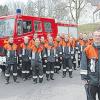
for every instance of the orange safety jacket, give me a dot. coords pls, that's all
(36, 52)
(32, 42)
(91, 52)
(8, 47)
(25, 52)
(51, 51)
(90, 65)
(81, 42)
(90, 41)
(11, 53)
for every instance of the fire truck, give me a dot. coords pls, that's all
(19, 26)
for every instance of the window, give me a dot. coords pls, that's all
(47, 26)
(38, 26)
(24, 27)
(27, 26)
(7, 27)
(19, 27)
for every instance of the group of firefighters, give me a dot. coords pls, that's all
(41, 56)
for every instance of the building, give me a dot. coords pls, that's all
(96, 14)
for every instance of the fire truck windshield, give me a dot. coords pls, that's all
(6, 27)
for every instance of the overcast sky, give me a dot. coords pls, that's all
(86, 18)
(6, 1)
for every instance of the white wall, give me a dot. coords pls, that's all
(62, 29)
(73, 32)
(66, 30)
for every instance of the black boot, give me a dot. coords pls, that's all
(47, 76)
(15, 79)
(24, 76)
(70, 74)
(74, 66)
(35, 80)
(7, 80)
(57, 70)
(40, 80)
(51, 76)
(64, 74)
(44, 70)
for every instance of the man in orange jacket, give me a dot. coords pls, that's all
(67, 62)
(80, 47)
(36, 61)
(31, 42)
(44, 54)
(90, 68)
(58, 56)
(50, 46)
(25, 54)
(11, 59)
(73, 51)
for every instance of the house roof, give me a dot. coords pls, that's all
(98, 8)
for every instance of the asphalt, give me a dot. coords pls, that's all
(58, 89)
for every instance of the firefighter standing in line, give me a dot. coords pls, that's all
(80, 46)
(32, 42)
(67, 62)
(36, 61)
(11, 57)
(73, 51)
(90, 67)
(25, 54)
(44, 54)
(90, 38)
(50, 46)
(58, 59)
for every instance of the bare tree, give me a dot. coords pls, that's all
(30, 8)
(4, 10)
(61, 11)
(76, 6)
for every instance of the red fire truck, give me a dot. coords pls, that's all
(19, 26)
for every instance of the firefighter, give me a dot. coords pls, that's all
(33, 40)
(73, 51)
(11, 60)
(67, 62)
(90, 38)
(80, 47)
(44, 54)
(25, 54)
(58, 57)
(90, 68)
(36, 61)
(50, 46)
(85, 39)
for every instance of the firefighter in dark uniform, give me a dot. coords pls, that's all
(11, 57)
(67, 62)
(50, 46)
(58, 56)
(25, 54)
(80, 47)
(36, 61)
(73, 52)
(90, 68)
(31, 42)
(44, 54)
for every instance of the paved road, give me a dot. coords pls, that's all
(59, 89)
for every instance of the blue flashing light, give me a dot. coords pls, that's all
(18, 11)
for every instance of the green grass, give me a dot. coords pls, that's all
(87, 28)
